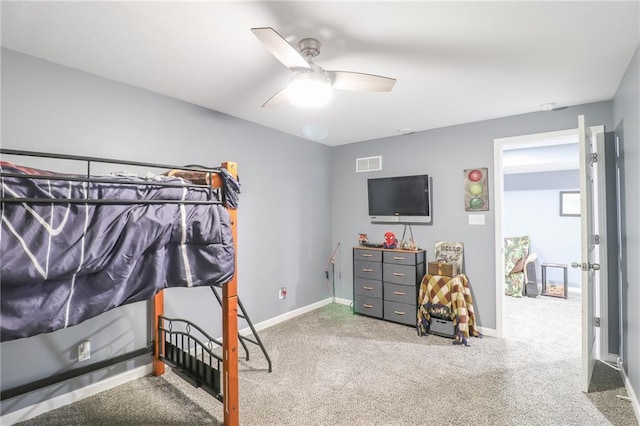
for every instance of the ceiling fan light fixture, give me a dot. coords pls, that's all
(309, 90)
(317, 84)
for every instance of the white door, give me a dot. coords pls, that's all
(590, 262)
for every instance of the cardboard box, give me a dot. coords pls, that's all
(442, 268)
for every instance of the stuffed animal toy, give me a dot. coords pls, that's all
(390, 240)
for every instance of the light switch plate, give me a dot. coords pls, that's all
(476, 219)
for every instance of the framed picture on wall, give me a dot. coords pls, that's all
(569, 203)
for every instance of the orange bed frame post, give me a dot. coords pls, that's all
(158, 309)
(230, 326)
(229, 322)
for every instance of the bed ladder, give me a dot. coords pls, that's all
(243, 314)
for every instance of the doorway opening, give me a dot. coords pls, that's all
(532, 174)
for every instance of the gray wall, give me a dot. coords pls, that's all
(626, 120)
(444, 154)
(284, 214)
(52, 108)
(531, 207)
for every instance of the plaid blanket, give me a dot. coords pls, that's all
(451, 295)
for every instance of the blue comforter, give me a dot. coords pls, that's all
(64, 263)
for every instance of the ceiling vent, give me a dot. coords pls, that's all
(369, 164)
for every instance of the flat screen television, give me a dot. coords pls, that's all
(401, 199)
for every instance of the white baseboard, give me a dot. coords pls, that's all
(347, 302)
(197, 351)
(483, 330)
(286, 316)
(632, 395)
(74, 396)
(491, 332)
(610, 358)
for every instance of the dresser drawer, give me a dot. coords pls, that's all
(369, 270)
(400, 293)
(368, 255)
(385, 283)
(368, 306)
(403, 257)
(369, 288)
(399, 274)
(400, 312)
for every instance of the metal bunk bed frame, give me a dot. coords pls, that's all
(195, 361)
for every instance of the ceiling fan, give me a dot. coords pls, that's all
(317, 81)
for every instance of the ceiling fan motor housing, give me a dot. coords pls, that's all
(309, 47)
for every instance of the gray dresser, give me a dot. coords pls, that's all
(386, 283)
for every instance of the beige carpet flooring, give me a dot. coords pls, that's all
(331, 367)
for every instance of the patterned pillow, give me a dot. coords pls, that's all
(519, 266)
(515, 249)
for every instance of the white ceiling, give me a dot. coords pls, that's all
(455, 62)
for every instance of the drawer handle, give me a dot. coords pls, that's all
(367, 255)
(399, 293)
(367, 270)
(367, 306)
(398, 258)
(398, 274)
(399, 313)
(366, 287)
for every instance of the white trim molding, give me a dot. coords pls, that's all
(499, 146)
(39, 408)
(632, 395)
(343, 301)
(286, 316)
(490, 332)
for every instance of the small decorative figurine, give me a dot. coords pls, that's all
(390, 240)
(363, 239)
(408, 245)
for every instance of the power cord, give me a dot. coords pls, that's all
(331, 262)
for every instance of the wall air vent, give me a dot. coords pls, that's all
(369, 164)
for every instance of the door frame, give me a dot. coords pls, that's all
(536, 140)
(601, 296)
(517, 142)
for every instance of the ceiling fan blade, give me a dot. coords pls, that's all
(280, 48)
(280, 98)
(346, 80)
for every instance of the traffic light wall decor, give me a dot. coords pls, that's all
(476, 189)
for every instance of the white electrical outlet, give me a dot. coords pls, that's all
(84, 351)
